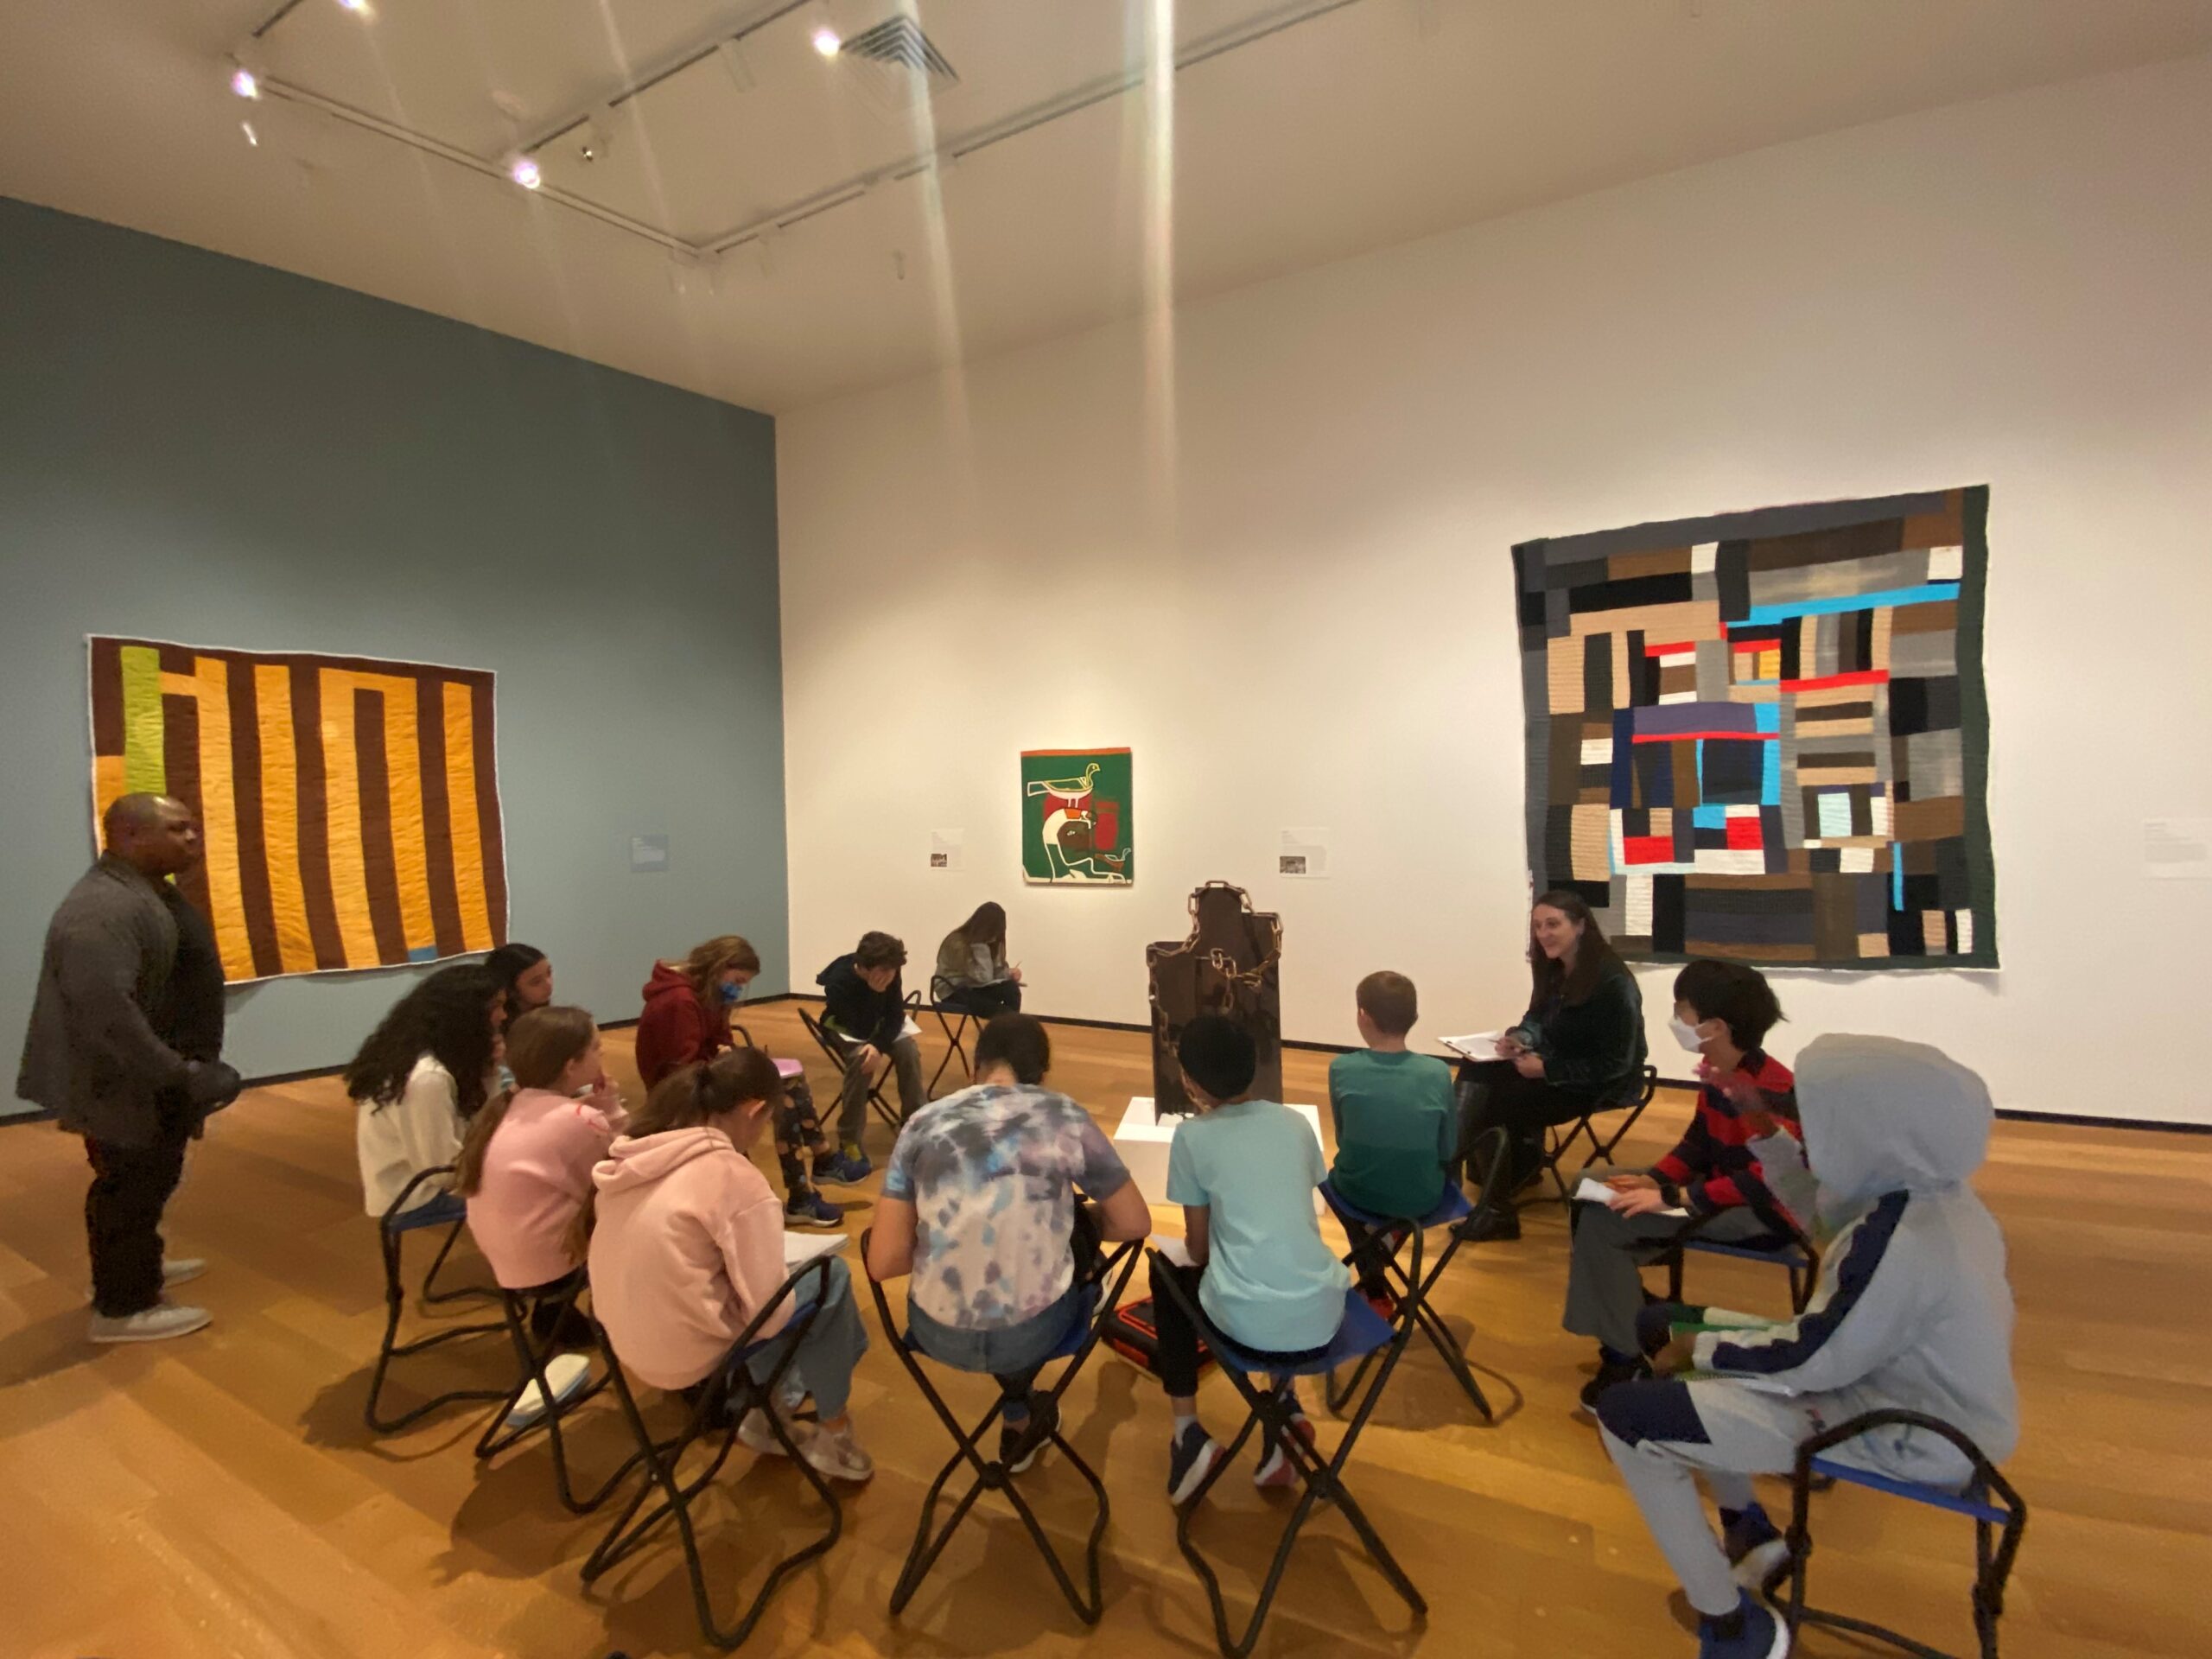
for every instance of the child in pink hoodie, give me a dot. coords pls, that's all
(687, 1247)
(525, 1168)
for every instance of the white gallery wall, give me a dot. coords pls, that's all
(1298, 610)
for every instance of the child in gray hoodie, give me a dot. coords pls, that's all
(1912, 1311)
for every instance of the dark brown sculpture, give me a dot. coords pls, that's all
(1230, 964)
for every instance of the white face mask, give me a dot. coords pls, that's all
(1687, 1036)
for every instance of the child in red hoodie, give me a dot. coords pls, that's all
(686, 1022)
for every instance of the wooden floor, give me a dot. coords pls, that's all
(217, 1496)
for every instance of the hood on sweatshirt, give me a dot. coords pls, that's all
(1883, 1115)
(667, 981)
(637, 1161)
(846, 967)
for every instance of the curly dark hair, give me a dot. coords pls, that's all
(448, 1017)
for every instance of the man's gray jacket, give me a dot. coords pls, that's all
(93, 1055)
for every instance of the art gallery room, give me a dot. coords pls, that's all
(600, 595)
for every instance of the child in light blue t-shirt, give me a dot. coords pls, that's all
(1244, 1172)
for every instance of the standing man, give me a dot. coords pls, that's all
(124, 1048)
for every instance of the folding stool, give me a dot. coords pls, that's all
(1999, 1514)
(1362, 1332)
(728, 1393)
(991, 1474)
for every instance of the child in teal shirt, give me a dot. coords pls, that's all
(1395, 1126)
(1244, 1172)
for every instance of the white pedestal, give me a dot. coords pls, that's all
(1142, 1142)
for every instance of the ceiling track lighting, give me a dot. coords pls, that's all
(249, 80)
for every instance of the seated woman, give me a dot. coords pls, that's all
(525, 975)
(1722, 1011)
(687, 1248)
(424, 1071)
(686, 1022)
(526, 1165)
(972, 974)
(994, 1285)
(1580, 1046)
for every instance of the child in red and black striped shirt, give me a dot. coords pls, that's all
(1722, 1011)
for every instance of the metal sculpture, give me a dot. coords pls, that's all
(1230, 964)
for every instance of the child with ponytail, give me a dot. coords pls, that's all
(687, 1247)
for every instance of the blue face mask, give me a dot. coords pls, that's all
(731, 994)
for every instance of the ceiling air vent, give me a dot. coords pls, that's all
(898, 65)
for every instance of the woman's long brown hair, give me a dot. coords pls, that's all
(687, 1099)
(540, 1045)
(986, 926)
(1593, 952)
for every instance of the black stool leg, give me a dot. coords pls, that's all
(389, 1347)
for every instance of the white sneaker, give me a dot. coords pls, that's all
(163, 1320)
(566, 1373)
(178, 1271)
(836, 1454)
(755, 1435)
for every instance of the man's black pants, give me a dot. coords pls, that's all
(123, 1218)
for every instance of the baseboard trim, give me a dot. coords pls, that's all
(2005, 1115)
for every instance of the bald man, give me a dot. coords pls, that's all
(124, 1049)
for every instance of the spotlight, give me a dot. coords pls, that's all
(599, 135)
(826, 41)
(244, 83)
(524, 171)
(252, 137)
(358, 8)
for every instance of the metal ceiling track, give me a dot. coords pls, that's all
(1267, 23)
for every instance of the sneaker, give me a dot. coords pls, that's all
(1750, 1632)
(1500, 1222)
(754, 1433)
(1276, 1470)
(1758, 1552)
(843, 1169)
(567, 1373)
(807, 1209)
(155, 1324)
(1384, 1304)
(176, 1270)
(1020, 1443)
(835, 1452)
(1190, 1460)
(1612, 1373)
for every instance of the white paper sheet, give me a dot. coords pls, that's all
(1477, 1046)
(1173, 1248)
(1597, 1192)
(800, 1249)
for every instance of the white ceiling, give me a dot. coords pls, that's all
(1372, 123)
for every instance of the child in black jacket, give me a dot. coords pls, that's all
(865, 1009)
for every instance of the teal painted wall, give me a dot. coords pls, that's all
(196, 449)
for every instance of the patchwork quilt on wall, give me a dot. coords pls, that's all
(1764, 736)
(350, 806)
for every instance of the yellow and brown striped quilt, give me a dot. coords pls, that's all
(351, 806)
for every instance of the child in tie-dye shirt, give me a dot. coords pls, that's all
(979, 1206)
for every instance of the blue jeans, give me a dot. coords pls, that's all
(1012, 1353)
(830, 1350)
